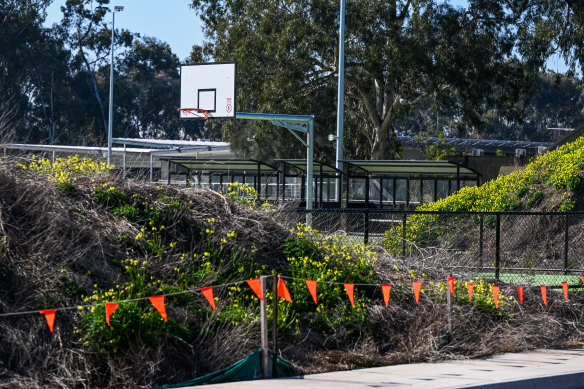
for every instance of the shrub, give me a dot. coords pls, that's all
(109, 195)
(67, 169)
(134, 322)
(331, 262)
(560, 169)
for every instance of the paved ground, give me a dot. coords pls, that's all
(539, 369)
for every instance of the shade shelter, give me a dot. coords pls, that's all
(395, 183)
(327, 182)
(217, 174)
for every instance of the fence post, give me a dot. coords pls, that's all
(481, 241)
(566, 238)
(366, 237)
(404, 234)
(498, 247)
(264, 330)
(275, 328)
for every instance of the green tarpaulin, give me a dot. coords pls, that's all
(249, 368)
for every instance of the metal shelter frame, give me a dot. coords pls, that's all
(294, 124)
(322, 170)
(245, 167)
(406, 170)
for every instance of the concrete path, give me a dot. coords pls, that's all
(538, 369)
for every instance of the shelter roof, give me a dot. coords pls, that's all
(239, 165)
(398, 167)
(301, 164)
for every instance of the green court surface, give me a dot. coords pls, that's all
(532, 279)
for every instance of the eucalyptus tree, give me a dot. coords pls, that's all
(397, 54)
(87, 34)
(21, 40)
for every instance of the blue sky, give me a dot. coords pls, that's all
(171, 21)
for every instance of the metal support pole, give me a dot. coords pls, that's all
(348, 185)
(366, 232)
(341, 90)
(380, 192)
(111, 95)
(309, 170)
(275, 328)
(124, 163)
(151, 167)
(405, 220)
(259, 181)
(321, 186)
(498, 247)
(394, 190)
(264, 330)
(566, 242)
(481, 228)
(367, 183)
(407, 192)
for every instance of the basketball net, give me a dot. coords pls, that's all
(195, 112)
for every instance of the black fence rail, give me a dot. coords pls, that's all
(515, 247)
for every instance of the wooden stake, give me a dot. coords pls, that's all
(264, 330)
(275, 328)
(449, 302)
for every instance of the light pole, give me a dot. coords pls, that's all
(117, 8)
(341, 94)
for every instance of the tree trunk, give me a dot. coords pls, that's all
(385, 145)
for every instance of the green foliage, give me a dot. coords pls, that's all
(65, 187)
(67, 170)
(109, 195)
(533, 199)
(328, 259)
(482, 296)
(560, 169)
(242, 193)
(127, 211)
(134, 322)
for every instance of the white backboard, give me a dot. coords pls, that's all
(209, 86)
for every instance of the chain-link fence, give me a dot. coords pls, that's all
(515, 247)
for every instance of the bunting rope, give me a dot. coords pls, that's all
(254, 284)
(77, 307)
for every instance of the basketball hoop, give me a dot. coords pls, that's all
(194, 112)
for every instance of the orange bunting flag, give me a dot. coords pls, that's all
(283, 290)
(386, 289)
(470, 287)
(565, 288)
(256, 286)
(544, 294)
(110, 308)
(496, 296)
(451, 284)
(208, 293)
(49, 316)
(583, 280)
(520, 294)
(158, 302)
(312, 289)
(417, 287)
(349, 288)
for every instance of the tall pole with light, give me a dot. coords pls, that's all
(111, 89)
(341, 94)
